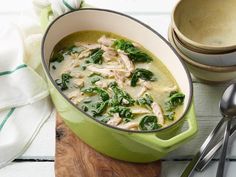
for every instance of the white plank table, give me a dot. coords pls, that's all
(38, 160)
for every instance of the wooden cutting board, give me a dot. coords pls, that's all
(76, 159)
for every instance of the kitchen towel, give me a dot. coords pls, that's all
(24, 102)
(24, 98)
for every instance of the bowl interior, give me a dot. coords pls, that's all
(208, 22)
(90, 19)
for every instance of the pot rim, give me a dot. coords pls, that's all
(146, 26)
(212, 48)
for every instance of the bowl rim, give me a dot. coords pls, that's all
(194, 43)
(218, 69)
(176, 40)
(202, 52)
(46, 69)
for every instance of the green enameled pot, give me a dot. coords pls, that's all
(133, 146)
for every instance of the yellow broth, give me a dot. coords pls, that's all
(160, 88)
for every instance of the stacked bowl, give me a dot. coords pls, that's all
(203, 32)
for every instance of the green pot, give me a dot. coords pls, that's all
(133, 146)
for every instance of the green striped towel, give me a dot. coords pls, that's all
(24, 98)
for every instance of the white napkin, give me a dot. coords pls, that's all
(24, 101)
(19, 126)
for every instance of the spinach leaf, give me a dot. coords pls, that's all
(145, 100)
(96, 56)
(170, 115)
(120, 97)
(94, 77)
(141, 73)
(98, 107)
(84, 108)
(122, 44)
(124, 112)
(94, 108)
(59, 56)
(64, 81)
(104, 118)
(54, 67)
(149, 122)
(101, 92)
(134, 53)
(175, 99)
(87, 101)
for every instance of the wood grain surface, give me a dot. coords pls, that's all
(76, 159)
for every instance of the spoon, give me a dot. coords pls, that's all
(226, 109)
(209, 156)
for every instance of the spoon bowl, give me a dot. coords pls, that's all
(228, 110)
(228, 102)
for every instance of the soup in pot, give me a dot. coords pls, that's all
(116, 81)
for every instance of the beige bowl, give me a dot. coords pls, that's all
(221, 59)
(205, 72)
(206, 24)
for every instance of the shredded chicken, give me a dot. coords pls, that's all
(158, 112)
(170, 89)
(119, 77)
(142, 91)
(67, 67)
(75, 96)
(84, 54)
(102, 83)
(106, 56)
(106, 41)
(77, 74)
(75, 63)
(114, 67)
(78, 82)
(129, 125)
(88, 46)
(146, 85)
(127, 62)
(115, 120)
(136, 44)
(139, 110)
(124, 101)
(102, 71)
(74, 56)
(109, 53)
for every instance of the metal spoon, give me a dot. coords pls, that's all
(228, 110)
(209, 156)
(192, 165)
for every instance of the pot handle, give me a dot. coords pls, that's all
(44, 17)
(166, 145)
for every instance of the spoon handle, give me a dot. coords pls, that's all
(221, 166)
(205, 160)
(192, 165)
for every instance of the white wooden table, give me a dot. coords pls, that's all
(38, 160)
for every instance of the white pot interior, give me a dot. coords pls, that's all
(102, 20)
